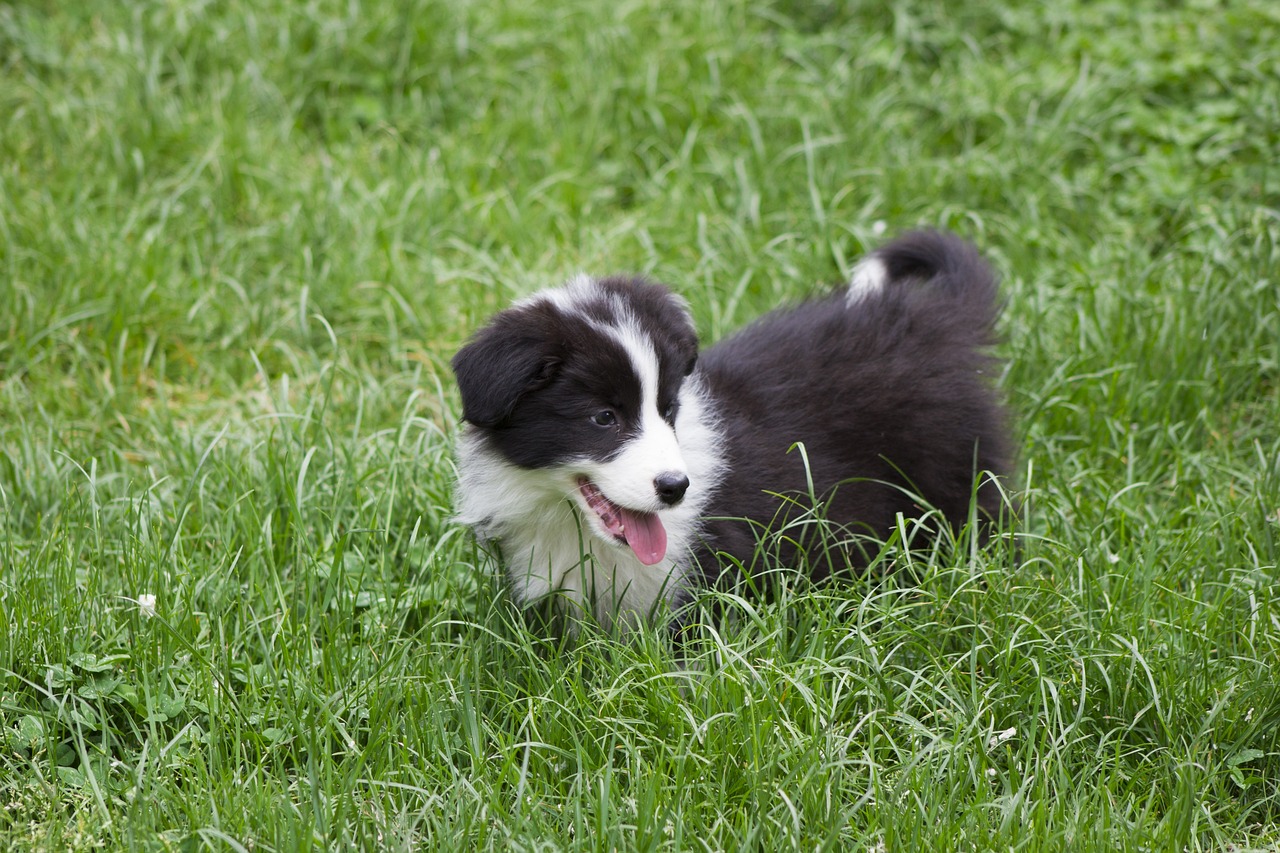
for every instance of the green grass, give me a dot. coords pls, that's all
(240, 241)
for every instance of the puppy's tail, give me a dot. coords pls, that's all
(936, 260)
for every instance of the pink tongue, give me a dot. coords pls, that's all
(645, 534)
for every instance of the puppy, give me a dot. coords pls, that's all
(619, 470)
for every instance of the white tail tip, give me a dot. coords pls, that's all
(868, 278)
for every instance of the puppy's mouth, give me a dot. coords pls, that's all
(642, 532)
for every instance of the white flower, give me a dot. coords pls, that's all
(1000, 737)
(147, 604)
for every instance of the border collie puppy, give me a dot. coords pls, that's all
(617, 469)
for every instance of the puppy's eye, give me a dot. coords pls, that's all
(605, 417)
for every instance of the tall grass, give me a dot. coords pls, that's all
(239, 242)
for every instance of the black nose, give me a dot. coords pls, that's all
(671, 487)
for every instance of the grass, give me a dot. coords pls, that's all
(239, 242)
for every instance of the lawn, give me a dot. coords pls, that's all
(239, 243)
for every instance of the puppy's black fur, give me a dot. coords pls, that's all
(891, 397)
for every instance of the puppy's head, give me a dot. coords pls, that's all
(584, 383)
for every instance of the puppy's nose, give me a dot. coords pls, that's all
(671, 486)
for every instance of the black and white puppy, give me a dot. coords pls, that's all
(617, 468)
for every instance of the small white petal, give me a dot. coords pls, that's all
(1000, 737)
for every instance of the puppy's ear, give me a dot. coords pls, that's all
(664, 315)
(688, 348)
(507, 359)
(678, 326)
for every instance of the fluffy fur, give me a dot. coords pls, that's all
(617, 469)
